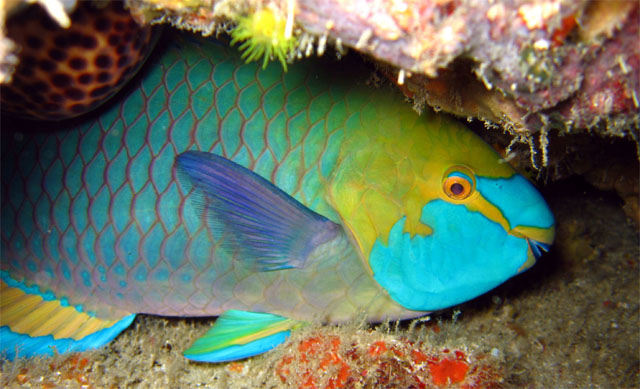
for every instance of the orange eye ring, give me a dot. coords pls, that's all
(457, 187)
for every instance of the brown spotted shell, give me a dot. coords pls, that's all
(66, 72)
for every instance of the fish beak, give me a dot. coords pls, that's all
(537, 247)
(538, 239)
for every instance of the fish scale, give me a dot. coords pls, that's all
(122, 231)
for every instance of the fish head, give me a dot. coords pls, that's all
(464, 223)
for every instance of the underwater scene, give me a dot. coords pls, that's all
(293, 193)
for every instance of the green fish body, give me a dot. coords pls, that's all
(213, 187)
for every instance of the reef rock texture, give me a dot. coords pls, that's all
(529, 65)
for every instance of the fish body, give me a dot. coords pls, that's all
(214, 187)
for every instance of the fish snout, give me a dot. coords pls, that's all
(525, 213)
(539, 241)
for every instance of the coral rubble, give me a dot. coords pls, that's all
(530, 66)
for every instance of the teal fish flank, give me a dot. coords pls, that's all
(216, 188)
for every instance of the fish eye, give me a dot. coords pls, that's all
(458, 183)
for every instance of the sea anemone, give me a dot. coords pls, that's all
(265, 34)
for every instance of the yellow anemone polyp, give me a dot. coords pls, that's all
(264, 36)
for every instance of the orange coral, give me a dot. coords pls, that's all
(335, 362)
(448, 371)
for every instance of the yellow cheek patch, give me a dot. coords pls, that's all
(393, 165)
(414, 201)
(365, 211)
(544, 235)
(486, 208)
(370, 213)
(380, 216)
(531, 260)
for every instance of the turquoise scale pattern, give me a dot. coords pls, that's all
(118, 233)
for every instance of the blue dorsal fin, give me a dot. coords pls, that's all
(240, 334)
(268, 228)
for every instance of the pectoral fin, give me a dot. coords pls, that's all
(240, 334)
(268, 228)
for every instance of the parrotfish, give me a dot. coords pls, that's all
(212, 187)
